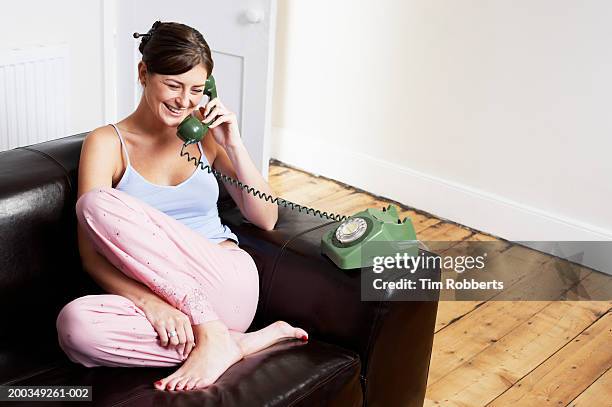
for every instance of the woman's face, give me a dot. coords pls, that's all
(172, 97)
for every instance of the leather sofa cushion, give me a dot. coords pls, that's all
(287, 373)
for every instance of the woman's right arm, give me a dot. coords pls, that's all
(97, 166)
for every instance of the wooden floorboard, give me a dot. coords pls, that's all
(495, 353)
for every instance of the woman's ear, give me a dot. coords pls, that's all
(142, 73)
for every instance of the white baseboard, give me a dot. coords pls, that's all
(468, 206)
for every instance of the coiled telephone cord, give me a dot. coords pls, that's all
(259, 194)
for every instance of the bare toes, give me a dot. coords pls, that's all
(172, 383)
(161, 384)
(180, 385)
(291, 331)
(301, 334)
(191, 383)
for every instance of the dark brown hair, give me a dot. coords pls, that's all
(173, 49)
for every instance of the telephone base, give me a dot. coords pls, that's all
(343, 245)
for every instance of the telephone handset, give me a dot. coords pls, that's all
(341, 244)
(191, 130)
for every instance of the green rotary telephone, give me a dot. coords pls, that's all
(343, 244)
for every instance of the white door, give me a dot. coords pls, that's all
(241, 37)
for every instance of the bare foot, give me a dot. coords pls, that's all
(205, 364)
(252, 342)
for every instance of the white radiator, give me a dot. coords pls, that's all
(34, 95)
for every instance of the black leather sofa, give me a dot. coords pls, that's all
(373, 353)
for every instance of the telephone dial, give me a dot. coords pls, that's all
(343, 243)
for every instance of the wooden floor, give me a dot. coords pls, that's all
(497, 353)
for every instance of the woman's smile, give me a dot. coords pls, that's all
(174, 111)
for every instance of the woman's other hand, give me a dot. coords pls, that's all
(172, 326)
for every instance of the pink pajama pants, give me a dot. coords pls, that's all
(205, 280)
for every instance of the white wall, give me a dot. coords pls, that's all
(30, 23)
(491, 113)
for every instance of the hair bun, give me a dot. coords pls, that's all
(146, 37)
(143, 42)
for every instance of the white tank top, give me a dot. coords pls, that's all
(193, 202)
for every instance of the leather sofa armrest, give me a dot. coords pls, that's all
(303, 287)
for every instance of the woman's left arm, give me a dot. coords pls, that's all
(233, 160)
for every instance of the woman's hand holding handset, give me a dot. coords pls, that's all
(222, 123)
(172, 325)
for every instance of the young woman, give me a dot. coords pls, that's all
(180, 289)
